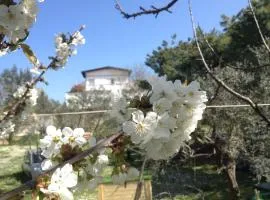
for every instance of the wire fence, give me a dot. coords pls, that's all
(105, 111)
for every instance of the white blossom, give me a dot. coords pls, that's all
(140, 128)
(119, 110)
(6, 128)
(11, 17)
(73, 137)
(35, 71)
(58, 40)
(78, 38)
(48, 164)
(19, 92)
(33, 96)
(61, 181)
(177, 108)
(96, 169)
(102, 160)
(165, 125)
(162, 105)
(51, 143)
(66, 48)
(161, 88)
(158, 149)
(3, 51)
(16, 19)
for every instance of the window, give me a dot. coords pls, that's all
(112, 81)
(91, 81)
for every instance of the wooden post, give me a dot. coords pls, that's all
(101, 192)
(108, 191)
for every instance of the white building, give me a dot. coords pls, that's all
(108, 78)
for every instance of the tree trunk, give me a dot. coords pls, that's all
(231, 175)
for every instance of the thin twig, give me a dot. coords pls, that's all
(98, 123)
(140, 183)
(258, 26)
(79, 121)
(215, 95)
(15, 107)
(17, 104)
(154, 11)
(31, 184)
(136, 151)
(219, 81)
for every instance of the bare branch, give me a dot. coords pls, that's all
(31, 184)
(219, 81)
(214, 95)
(140, 183)
(258, 26)
(153, 11)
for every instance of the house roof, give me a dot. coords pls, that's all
(105, 67)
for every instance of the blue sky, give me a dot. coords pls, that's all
(110, 39)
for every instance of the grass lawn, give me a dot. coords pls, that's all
(11, 175)
(188, 183)
(199, 182)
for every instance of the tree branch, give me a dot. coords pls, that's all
(17, 104)
(258, 26)
(140, 183)
(219, 81)
(31, 184)
(15, 107)
(153, 11)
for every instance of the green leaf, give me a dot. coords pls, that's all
(29, 54)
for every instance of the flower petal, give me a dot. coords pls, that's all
(151, 118)
(78, 132)
(50, 130)
(67, 131)
(129, 127)
(65, 194)
(137, 116)
(46, 164)
(80, 141)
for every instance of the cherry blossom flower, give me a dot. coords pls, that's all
(140, 127)
(177, 108)
(61, 181)
(16, 19)
(73, 137)
(78, 39)
(161, 88)
(48, 164)
(162, 105)
(66, 48)
(51, 143)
